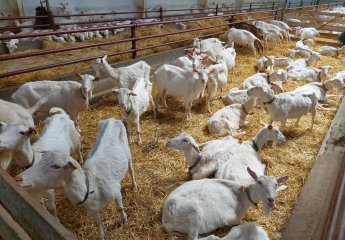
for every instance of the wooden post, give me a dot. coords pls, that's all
(28, 212)
(134, 41)
(161, 14)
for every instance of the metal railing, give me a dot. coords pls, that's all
(275, 11)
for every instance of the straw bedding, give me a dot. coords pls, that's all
(160, 170)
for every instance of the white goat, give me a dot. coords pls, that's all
(12, 45)
(15, 113)
(229, 119)
(275, 79)
(71, 96)
(280, 61)
(192, 60)
(188, 84)
(235, 95)
(190, 209)
(331, 51)
(124, 77)
(263, 64)
(310, 74)
(94, 185)
(281, 25)
(203, 162)
(247, 231)
(320, 89)
(285, 105)
(304, 63)
(59, 134)
(301, 51)
(13, 141)
(229, 55)
(306, 44)
(134, 103)
(244, 37)
(219, 76)
(307, 33)
(247, 155)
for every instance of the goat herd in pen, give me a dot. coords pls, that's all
(203, 204)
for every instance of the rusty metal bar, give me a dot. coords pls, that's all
(45, 52)
(335, 226)
(19, 27)
(22, 17)
(121, 26)
(53, 65)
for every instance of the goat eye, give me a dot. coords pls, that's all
(184, 140)
(259, 182)
(55, 166)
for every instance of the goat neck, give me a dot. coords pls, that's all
(260, 138)
(113, 72)
(191, 155)
(254, 195)
(24, 154)
(75, 187)
(248, 105)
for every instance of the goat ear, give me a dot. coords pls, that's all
(212, 70)
(2, 124)
(195, 70)
(104, 58)
(115, 91)
(29, 132)
(282, 179)
(78, 75)
(132, 93)
(71, 165)
(97, 79)
(252, 173)
(269, 127)
(195, 147)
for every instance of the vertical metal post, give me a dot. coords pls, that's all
(250, 7)
(231, 20)
(289, 4)
(216, 10)
(161, 13)
(134, 40)
(301, 4)
(52, 20)
(283, 11)
(273, 5)
(276, 15)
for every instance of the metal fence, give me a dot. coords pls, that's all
(274, 10)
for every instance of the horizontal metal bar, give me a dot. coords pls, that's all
(45, 52)
(21, 17)
(53, 65)
(28, 26)
(177, 41)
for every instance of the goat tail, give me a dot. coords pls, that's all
(258, 45)
(37, 105)
(57, 110)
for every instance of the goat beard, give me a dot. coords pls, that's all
(267, 210)
(87, 100)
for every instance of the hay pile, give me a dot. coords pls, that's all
(159, 170)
